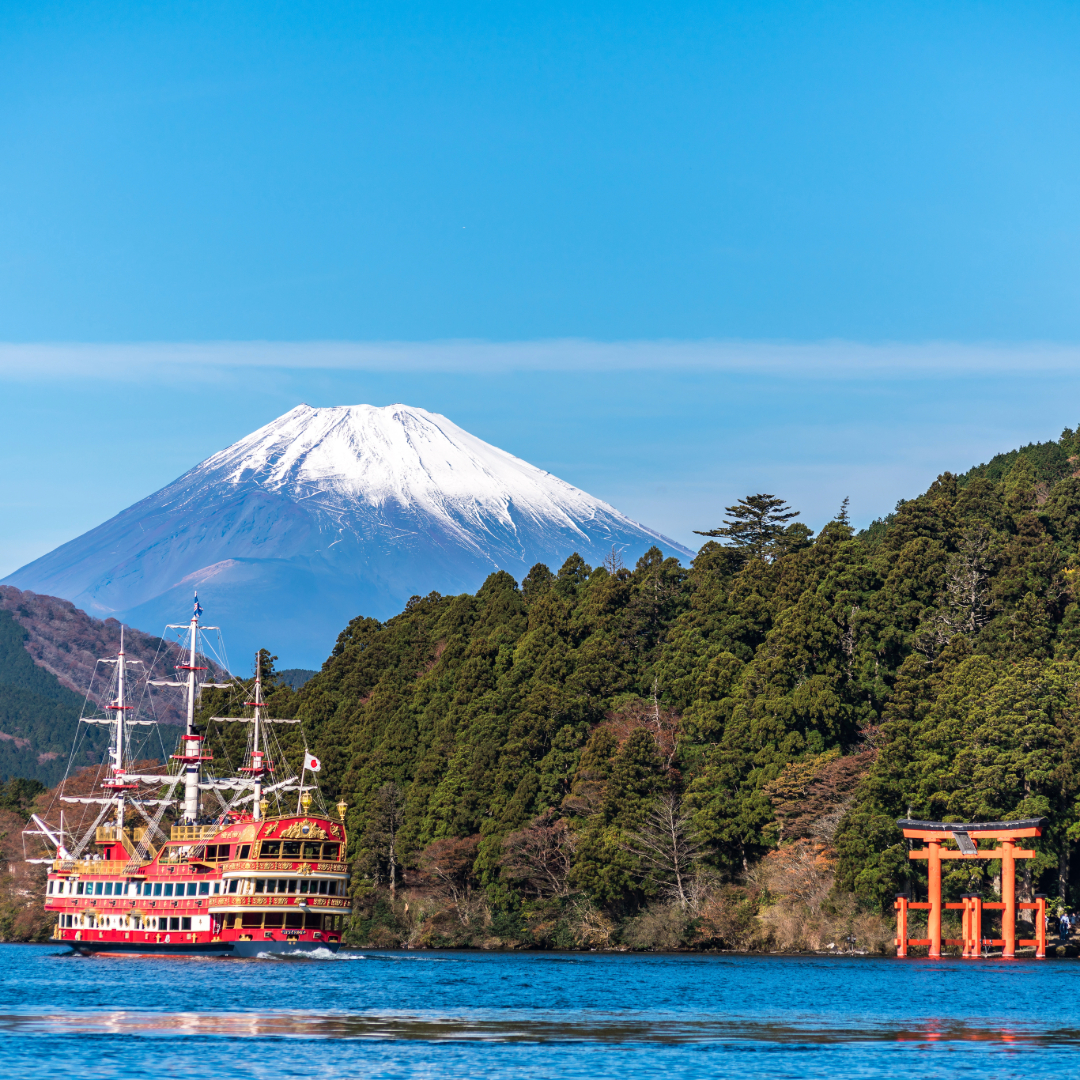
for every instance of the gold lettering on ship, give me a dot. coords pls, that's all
(305, 829)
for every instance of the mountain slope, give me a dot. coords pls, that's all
(67, 643)
(38, 715)
(325, 514)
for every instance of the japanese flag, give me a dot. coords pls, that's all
(311, 762)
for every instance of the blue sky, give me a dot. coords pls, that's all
(672, 252)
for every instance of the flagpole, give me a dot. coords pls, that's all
(300, 792)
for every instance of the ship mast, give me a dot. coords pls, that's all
(120, 707)
(117, 782)
(192, 755)
(256, 753)
(259, 767)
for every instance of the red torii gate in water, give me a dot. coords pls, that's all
(966, 837)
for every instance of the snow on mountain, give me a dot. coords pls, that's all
(326, 514)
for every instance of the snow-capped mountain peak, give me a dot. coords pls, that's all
(327, 513)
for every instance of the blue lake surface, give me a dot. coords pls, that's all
(381, 1014)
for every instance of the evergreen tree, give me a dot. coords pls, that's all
(755, 525)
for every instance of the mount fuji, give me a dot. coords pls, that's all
(326, 514)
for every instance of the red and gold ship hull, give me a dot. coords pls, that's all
(239, 888)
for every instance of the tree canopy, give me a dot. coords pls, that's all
(927, 665)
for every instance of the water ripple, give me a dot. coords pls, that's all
(624, 1028)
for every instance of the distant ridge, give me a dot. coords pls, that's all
(326, 514)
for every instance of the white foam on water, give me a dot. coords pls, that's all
(308, 954)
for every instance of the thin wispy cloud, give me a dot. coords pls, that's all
(822, 360)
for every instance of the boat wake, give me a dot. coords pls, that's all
(308, 954)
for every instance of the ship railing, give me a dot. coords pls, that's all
(113, 867)
(194, 832)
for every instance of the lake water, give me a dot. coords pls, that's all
(380, 1014)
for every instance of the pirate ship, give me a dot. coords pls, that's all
(252, 878)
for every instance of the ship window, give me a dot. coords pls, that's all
(168, 888)
(311, 851)
(313, 922)
(260, 884)
(185, 923)
(291, 847)
(272, 921)
(174, 923)
(51, 886)
(217, 887)
(204, 888)
(330, 852)
(332, 889)
(97, 888)
(234, 885)
(322, 886)
(253, 921)
(78, 888)
(270, 849)
(292, 885)
(294, 920)
(192, 888)
(283, 885)
(245, 851)
(108, 888)
(303, 886)
(157, 888)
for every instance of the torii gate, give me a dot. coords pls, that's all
(966, 838)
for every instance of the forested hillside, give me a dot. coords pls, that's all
(67, 643)
(654, 754)
(38, 716)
